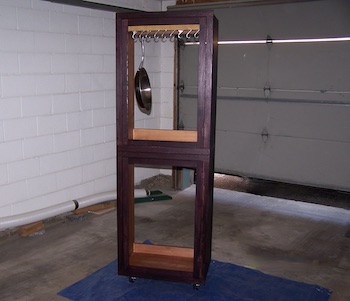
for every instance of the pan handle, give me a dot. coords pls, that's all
(142, 40)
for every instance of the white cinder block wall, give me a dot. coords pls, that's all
(57, 103)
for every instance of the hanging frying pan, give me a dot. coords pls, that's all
(142, 85)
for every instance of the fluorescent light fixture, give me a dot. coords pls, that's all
(282, 41)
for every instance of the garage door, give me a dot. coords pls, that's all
(283, 109)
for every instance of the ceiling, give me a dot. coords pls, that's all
(191, 4)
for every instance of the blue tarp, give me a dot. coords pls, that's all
(224, 282)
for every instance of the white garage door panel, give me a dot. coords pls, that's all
(189, 61)
(294, 68)
(242, 66)
(325, 66)
(310, 121)
(234, 157)
(308, 162)
(245, 116)
(285, 21)
(299, 120)
(188, 117)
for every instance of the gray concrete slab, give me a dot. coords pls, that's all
(299, 241)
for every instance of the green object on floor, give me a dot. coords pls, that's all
(155, 192)
(154, 196)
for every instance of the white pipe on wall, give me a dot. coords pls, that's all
(34, 216)
(41, 214)
(96, 198)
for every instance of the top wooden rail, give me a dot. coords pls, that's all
(184, 27)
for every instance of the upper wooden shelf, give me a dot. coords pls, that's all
(164, 135)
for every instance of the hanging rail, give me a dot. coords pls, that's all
(163, 32)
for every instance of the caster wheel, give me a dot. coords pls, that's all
(196, 286)
(132, 279)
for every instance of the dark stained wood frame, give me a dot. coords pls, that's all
(192, 150)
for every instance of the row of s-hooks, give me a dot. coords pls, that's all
(164, 35)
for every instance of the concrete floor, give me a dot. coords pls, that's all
(296, 240)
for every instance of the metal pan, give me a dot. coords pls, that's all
(143, 89)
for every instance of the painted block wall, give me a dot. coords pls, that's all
(57, 104)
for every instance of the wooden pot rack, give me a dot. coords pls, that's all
(180, 148)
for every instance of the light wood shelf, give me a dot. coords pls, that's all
(162, 257)
(164, 135)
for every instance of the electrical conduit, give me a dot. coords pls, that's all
(65, 207)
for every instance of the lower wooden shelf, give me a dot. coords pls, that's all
(162, 257)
